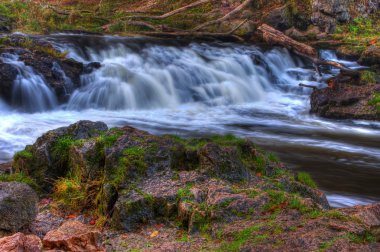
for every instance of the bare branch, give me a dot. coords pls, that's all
(229, 15)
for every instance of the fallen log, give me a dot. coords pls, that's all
(307, 86)
(275, 37)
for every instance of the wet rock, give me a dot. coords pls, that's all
(20, 242)
(49, 160)
(61, 74)
(346, 100)
(18, 206)
(89, 68)
(8, 74)
(371, 56)
(222, 162)
(73, 236)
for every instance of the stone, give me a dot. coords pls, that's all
(18, 206)
(348, 99)
(73, 236)
(369, 215)
(371, 56)
(44, 222)
(222, 162)
(20, 242)
(279, 18)
(47, 165)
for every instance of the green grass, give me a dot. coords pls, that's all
(19, 177)
(241, 238)
(375, 101)
(306, 179)
(368, 76)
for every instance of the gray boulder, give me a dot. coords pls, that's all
(18, 206)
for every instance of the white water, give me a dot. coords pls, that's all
(202, 89)
(30, 91)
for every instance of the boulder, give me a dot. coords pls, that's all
(371, 56)
(368, 215)
(73, 236)
(18, 206)
(49, 155)
(222, 162)
(327, 13)
(44, 222)
(348, 98)
(279, 18)
(21, 242)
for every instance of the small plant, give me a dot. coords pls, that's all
(306, 179)
(375, 101)
(368, 76)
(70, 193)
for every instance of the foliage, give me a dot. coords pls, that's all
(69, 192)
(375, 101)
(306, 179)
(19, 177)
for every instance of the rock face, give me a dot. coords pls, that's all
(73, 236)
(20, 242)
(18, 206)
(347, 99)
(328, 13)
(47, 159)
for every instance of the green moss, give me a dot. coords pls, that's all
(306, 179)
(375, 101)
(185, 193)
(276, 198)
(241, 238)
(25, 154)
(19, 177)
(368, 76)
(367, 237)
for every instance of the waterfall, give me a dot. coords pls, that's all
(166, 76)
(30, 92)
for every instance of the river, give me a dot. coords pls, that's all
(195, 89)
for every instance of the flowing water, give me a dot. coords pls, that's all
(195, 89)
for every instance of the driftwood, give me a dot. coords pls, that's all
(275, 37)
(229, 15)
(308, 86)
(171, 13)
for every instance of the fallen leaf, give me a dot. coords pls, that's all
(154, 234)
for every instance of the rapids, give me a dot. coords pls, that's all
(196, 89)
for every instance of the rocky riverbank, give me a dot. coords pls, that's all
(124, 189)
